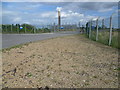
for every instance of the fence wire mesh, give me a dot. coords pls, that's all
(108, 30)
(42, 28)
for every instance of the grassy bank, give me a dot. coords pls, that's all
(103, 37)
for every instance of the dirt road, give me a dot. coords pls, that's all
(71, 61)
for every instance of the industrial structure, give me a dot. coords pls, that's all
(59, 20)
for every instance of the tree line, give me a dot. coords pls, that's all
(23, 28)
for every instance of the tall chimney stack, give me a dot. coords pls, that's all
(59, 19)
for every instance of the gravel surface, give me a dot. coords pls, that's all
(66, 62)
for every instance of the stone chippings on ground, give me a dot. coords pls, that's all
(66, 62)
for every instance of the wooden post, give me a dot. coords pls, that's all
(110, 37)
(97, 30)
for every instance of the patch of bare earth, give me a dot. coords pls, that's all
(65, 62)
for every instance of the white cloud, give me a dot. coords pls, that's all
(69, 13)
(64, 14)
(60, 0)
(105, 10)
(45, 17)
(17, 19)
(81, 20)
(48, 14)
(59, 8)
(94, 19)
(27, 22)
(7, 12)
(32, 6)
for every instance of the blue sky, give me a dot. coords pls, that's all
(37, 13)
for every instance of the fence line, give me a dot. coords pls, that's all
(104, 30)
(27, 28)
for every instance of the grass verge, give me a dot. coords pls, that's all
(103, 37)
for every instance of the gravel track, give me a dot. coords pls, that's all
(66, 62)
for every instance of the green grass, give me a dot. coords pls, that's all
(103, 37)
(93, 35)
(115, 40)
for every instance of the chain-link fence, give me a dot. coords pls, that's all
(28, 28)
(104, 30)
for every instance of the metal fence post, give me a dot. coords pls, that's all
(110, 37)
(97, 30)
(6, 28)
(54, 27)
(90, 29)
(102, 23)
(76, 26)
(34, 29)
(11, 28)
(25, 28)
(18, 28)
(79, 25)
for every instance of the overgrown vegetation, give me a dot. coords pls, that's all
(103, 37)
(26, 28)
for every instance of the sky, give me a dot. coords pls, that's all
(60, 0)
(37, 13)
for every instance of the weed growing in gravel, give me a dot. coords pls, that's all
(32, 56)
(48, 75)
(59, 64)
(29, 75)
(42, 71)
(86, 84)
(95, 76)
(118, 69)
(48, 67)
(77, 73)
(65, 50)
(86, 65)
(52, 61)
(73, 66)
